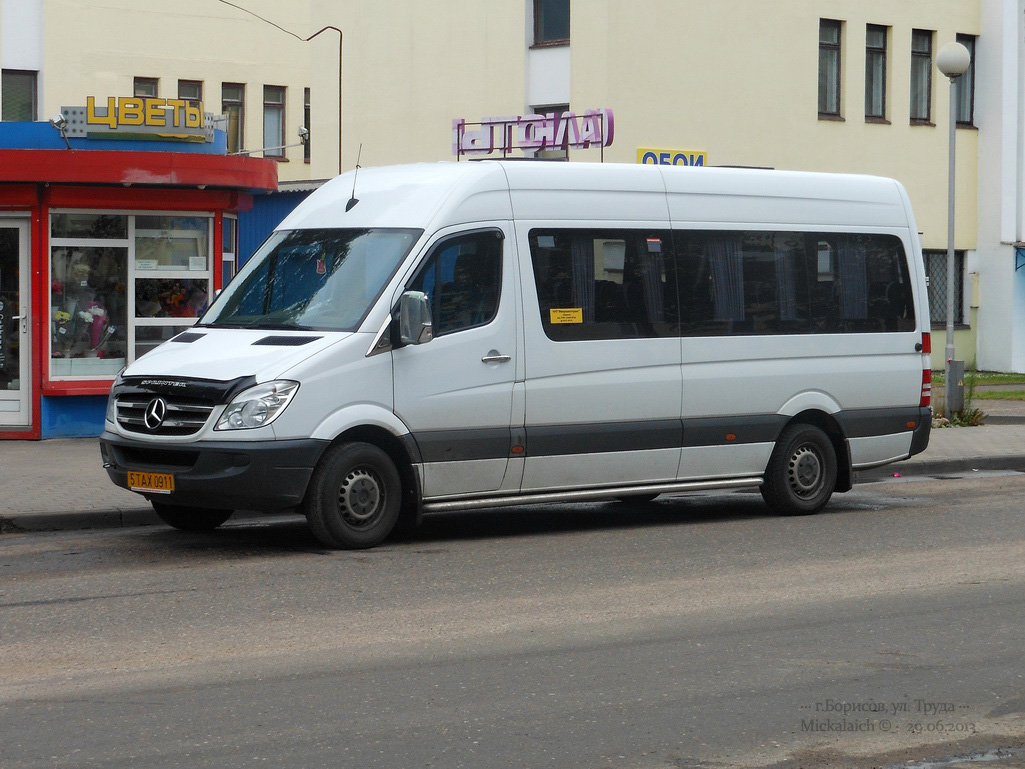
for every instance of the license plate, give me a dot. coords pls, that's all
(153, 483)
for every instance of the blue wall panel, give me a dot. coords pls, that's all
(73, 416)
(267, 213)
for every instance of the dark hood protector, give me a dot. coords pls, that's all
(206, 390)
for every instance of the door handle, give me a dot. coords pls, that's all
(494, 356)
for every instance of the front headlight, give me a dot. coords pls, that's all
(111, 415)
(258, 406)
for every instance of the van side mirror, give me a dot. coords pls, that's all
(415, 325)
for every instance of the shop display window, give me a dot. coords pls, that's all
(172, 243)
(88, 310)
(121, 284)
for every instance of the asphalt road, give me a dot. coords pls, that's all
(688, 632)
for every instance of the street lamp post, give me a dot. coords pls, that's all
(953, 61)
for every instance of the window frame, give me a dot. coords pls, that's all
(934, 261)
(274, 147)
(229, 248)
(875, 81)
(236, 138)
(542, 11)
(830, 71)
(306, 125)
(185, 85)
(921, 65)
(32, 76)
(146, 87)
(966, 106)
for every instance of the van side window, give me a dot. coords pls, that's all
(463, 280)
(755, 283)
(604, 284)
(862, 284)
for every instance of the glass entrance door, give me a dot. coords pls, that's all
(15, 373)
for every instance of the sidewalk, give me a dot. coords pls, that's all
(61, 484)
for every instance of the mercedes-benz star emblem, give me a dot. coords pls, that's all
(156, 410)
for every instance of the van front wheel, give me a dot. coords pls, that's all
(354, 496)
(801, 473)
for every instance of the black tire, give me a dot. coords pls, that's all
(354, 496)
(190, 518)
(639, 498)
(801, 474)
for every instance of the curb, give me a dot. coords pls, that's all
(97, 519)
(139, 517)
(144, 516)
(93, 519)
(934, 467)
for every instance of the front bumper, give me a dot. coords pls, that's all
(237, 475)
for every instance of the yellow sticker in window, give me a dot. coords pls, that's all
(568, 315)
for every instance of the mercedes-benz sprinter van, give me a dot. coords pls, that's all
(451, 336)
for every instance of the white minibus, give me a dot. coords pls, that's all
(451, 336)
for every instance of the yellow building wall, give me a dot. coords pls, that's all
(401, 83)
(739, 80)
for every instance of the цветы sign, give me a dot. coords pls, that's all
(136, 117)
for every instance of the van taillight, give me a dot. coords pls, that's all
(926, 399)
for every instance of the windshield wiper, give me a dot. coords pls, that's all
(280, 326)
(259, 324)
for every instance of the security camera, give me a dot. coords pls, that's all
(304, 134)
(59, 122)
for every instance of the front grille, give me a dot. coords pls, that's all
(183, 416)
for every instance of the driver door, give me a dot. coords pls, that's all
(455, 393)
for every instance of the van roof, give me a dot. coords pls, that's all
(434, 195)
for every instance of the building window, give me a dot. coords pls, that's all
(191, 91)
(551, 22)
(829, 68)
(964, 86)
(233, 108)
(552, 153)
(145, 87)
(921, 76)
(936, 279)
(306, 124)
(120, 284)
(875, 72)
(19, 95)
(274, 121)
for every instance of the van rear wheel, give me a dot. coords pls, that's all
(354, 496)
(190, 518)
(801, 473)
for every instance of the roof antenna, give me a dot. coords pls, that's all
(353, 200)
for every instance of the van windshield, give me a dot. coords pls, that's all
(321, 279)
